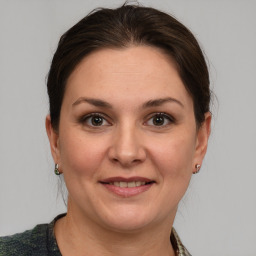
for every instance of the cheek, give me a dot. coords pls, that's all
(80, 155)
(174, 156)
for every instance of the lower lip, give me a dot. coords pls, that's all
(127, 192)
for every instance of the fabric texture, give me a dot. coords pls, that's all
(40, 241)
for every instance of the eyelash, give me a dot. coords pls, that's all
(167, 117)
(85, 119)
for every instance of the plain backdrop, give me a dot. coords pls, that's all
(218, 214)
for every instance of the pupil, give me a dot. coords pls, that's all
(97, 120)
(158, 120)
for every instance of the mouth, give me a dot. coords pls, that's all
(131, 184)
(126, 187)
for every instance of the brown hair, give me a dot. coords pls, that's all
(122, 27)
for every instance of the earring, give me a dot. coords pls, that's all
(197, 166)
(56, 170)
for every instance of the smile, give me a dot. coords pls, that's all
(127, 187)
(132, 184)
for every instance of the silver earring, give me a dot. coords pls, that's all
(56, 169)
(197, 166)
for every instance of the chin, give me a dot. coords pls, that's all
(129, 220)
(128, 225)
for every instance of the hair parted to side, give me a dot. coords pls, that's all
(130, 25)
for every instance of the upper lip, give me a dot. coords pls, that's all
(122, 179)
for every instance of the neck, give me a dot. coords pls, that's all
(76, 236)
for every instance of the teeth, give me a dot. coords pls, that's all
(140, 183)
(132, 184)
(123, 184)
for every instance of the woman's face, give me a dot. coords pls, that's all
(127, 143)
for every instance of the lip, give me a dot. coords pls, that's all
(127, 191)
(123, 179)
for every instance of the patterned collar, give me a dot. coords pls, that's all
(177, 245)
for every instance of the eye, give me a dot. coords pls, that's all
(160, 119)
(95, 120)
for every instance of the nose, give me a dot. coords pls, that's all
(127, 147)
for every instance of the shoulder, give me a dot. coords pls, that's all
(25, 243)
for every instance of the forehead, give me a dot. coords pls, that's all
(140, 72)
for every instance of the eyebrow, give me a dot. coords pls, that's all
(159, 102)
(94, 102)
(104, 104)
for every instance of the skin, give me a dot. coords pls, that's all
(128, 143)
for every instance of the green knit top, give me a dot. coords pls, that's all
(40, 241)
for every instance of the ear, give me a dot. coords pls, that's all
(203, 134)
(53, 137)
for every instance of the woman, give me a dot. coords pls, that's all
(129, 124)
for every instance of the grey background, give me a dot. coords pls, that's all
(217, 215)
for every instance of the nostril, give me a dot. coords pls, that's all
(126, 154)
(126, 162)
